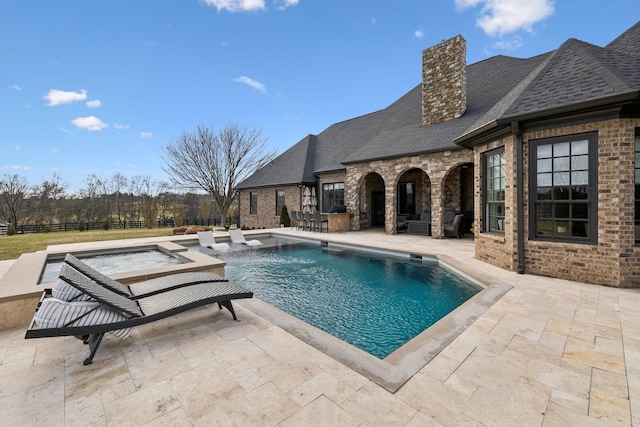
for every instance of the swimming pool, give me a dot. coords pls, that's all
(375, 302)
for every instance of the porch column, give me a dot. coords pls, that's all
(390, 214)
(437, 209)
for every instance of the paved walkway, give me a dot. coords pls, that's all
(549, 353)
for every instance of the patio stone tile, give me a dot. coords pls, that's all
(198, 346)
(377, 407)
(322, 384)
(591, 357)
(441, 367)
(287, 375)
(420, 419)
(497, 373)
(175, 418)
(609, 397)
(263, 406)
(157, 368)
(216, 417)
(557, 377)
(85, 410)
(557, 415)
(23, 375)
(349, 377)
(535, 349)
(504, 410)
(570, 402)
(143, 406)
(582, 330)
(321, 412)
(236, 352)
(247, 375)
(110, 378)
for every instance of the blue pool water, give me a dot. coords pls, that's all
(374, 302)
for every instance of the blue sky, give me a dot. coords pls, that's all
(99, 87)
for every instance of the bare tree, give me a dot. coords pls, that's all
(13, 196)
(216, 163)
(148, 192)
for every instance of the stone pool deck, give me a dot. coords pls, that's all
(548, 353)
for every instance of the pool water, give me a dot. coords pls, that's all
(119, 262)
(375, 302)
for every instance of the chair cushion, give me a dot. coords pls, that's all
(425, 216)
(55, 313)
(65, 292)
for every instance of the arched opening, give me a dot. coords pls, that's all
(371, 195)
(458, 195)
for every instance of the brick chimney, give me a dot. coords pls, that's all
(444, 81)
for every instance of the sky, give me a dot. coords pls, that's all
(100, 87)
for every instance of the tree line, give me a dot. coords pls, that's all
(116, 199)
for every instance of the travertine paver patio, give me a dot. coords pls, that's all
(549, 353)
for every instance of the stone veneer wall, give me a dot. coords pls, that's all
(614, 260)
(444, 81)
(436, 165)
(266, 216)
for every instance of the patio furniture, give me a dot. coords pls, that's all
(294, 220)
(421, 226)
(208, 240)
(308, 221)
(115, 313)
(237, 237)
(453, 229)
(136, 290)
(318, 221)
(401, 223)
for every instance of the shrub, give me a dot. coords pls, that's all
(284, 216)
(46, 229)
(11, 231)
(179, 230)
(106, 224)
(194, 229)
(81, 226)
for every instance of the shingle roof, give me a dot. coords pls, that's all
(499, 89)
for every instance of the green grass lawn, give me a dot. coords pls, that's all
(11, 247)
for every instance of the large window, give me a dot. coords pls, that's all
(494, 184)
(564, 188)
(253, 203)
(637, 182)
(332, 194)
(279, 201)
(406, 198)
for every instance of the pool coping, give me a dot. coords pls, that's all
(397, 368)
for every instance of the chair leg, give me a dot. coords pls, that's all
(228, 306)
(93, 341)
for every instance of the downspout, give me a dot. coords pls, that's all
(515, 128)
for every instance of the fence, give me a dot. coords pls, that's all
(73, 226)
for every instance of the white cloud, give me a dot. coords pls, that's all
(16, 167)
(146, 135)
(91, 123)
(57, 97)
(418, 34)
(250, 82)
(500, 17)
(237, 5)
(512, 44)
(286, 3)
(93, 104)
(15, 87)
(17, 147)
(121, 127)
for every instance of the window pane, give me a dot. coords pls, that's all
(544, 193)
(561, 193)
(544, 165)
(637, 176)
(561, 178)
(544, 210)
(544, 180)
(580, 211)
(544, 151)
(580, 193)
(579, 229)
(562, 228)
(544, 227)
(579, 147)
(580, 178)
(561, 164)
(579, 162)
(562, 210)
(561, 149)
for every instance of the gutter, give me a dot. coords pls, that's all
(517, 132)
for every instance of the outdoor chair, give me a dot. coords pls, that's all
(237, 237)
(453, 229)
(318, 221)
(207, 240)
(111, 312)
(308, 221)
(137, 290)
(294, 219)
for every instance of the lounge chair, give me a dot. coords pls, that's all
(207, 240)
(237, 237)
(137, 290)
(111, 312)
(453, 229)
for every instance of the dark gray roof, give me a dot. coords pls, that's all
(499, 89)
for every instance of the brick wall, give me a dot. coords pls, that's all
(266, 216)
(614, 260)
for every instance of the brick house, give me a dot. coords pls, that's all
(540, 153)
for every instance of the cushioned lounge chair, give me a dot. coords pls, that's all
(237, 237)
(112, 312)
(144, 288)
(207, 240)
